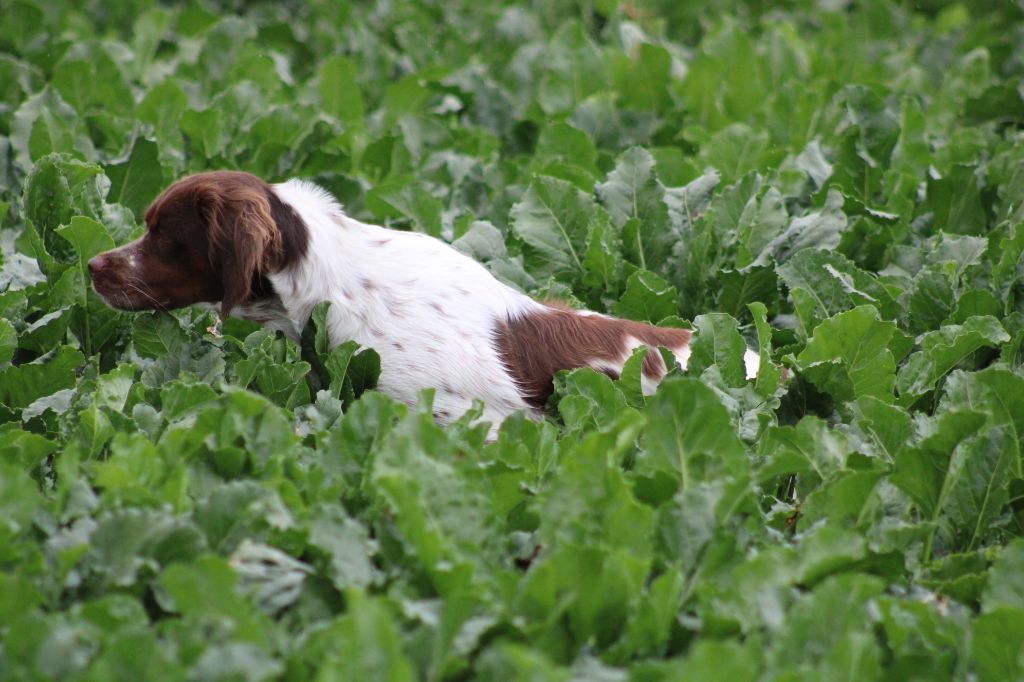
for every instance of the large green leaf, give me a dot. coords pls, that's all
(339, 92)
(941, 350)
(45, 124)
(848, 355)
(828, 284)
(22, 384)
(959, 479)
(718, 342)
(689, 434)
(552, 219)
(632, 191)
(138, 179)
(647, 298)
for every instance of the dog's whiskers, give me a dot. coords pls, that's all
(158, 304)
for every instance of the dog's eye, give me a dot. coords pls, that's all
(165, 245)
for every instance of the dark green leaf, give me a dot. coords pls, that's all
(848, 356)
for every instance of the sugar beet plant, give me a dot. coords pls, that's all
(839, 185)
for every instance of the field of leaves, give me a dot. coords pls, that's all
(839, 185)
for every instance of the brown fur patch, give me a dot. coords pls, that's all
(235, 208)
(536, 345)
(210, 237)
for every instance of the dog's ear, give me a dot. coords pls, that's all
(243, 237)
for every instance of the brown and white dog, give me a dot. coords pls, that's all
(438, 319)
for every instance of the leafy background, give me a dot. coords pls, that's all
(839, 185)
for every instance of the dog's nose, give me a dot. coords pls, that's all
(97, 263)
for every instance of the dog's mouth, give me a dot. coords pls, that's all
(126, 296)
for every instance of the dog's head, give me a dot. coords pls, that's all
(209, 237)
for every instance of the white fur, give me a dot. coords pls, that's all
(752, 363)
(428, 310)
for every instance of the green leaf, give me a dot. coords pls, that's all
(364, 644)
(977, 487)
(688, 203)
(204, 588)
(958, 479)
(138, 179)
(60, 188)
(157, 335)
(44, 124)
(710, 660)
(643, 80)
(954, 202)
(574, 70)
(339, 92)
(603, 264)
(127, 542)
(647, 298)
(818, 230)
(206, 130)
(8, 341)
(829, 630)
(180, 398)
(848, 356)
(886, 425)
(752, 214)
(997, 645)
(23, 384)
(921, 470)
(19, 499)
(941, 350)
(931, 299)
(588, 399)
(87, 237)
(482, 241)
(689, 434)
(740, 289)
(552, 219)
(348, 546)
(403, 196)
(829, 284)
(717, 341)
(992, 390)
(22, 447)
(768, 374)
(567, 152)
(1005, 587)
(809, 449)
(632, 191)
(736, 150)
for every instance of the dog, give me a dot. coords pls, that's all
(438, 319)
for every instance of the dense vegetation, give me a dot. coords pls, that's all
(839, 185)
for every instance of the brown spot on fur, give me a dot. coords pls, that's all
(367, 283)
(379, 242)
(653, 365)
(536, 345)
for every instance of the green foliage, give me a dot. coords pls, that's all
(835, 185)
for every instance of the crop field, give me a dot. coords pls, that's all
(836, 184)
